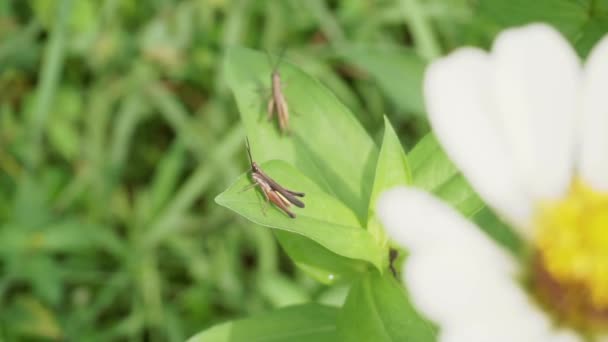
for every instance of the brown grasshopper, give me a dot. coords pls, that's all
(277, 102)
(273, 192)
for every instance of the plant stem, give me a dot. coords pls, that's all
(50, 72)
(420, 26)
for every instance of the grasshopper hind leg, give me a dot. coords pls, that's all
(264, 204)
(270, 108)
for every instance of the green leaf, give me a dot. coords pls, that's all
(583, 22)
(590, 34)
(325, 219)
(30, 317)
(433, 171)
(281, 290)
(167, 176)
(566, 15)
(64, 138)
(318, 120)
(68, 235)
(499, 231)
(302, 323)
(398, 71)
(327, 143)
(378, 309)
(317, 261)
(392, 170)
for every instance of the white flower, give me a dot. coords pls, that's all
(528, 127)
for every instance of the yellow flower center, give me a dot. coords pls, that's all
(570, 270)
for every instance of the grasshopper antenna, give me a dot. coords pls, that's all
(248, 150)
(276, 64)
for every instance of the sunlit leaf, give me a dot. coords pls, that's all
(303, 323)
(392, 170)
(326, 144)
(324, 220)
(378, 309)
(433, 171)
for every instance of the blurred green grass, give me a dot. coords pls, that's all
(117, 130)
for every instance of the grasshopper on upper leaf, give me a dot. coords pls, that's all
(273, 192)
(277, 102)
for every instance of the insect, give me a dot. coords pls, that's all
(272, 191)
(277, 102)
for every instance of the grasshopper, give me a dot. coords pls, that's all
(277, 102)
(273, 192)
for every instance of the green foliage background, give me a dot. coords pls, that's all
(118, 128)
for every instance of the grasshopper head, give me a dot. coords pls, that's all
(276, 77)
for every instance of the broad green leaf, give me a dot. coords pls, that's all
(302, 323)
(280, 290)
(327, 143)
(398, 71)
(433, 171)
(325, 219)
(378, 309)
(317, 261)
(392, 170)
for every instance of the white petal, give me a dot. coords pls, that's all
(458, 98)
(499, 334)
(594, 131)
(537, 78)
(435, 235)
(481, 332)
(420, 222)
(448, 285)
(457, 276)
